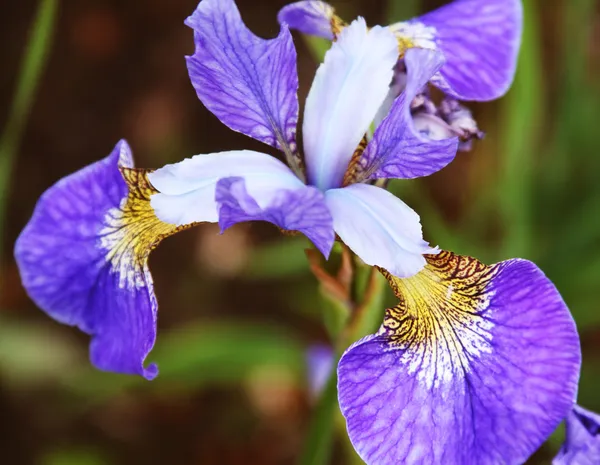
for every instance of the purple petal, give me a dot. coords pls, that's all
(302, 209)
(379, 228)
(480, 40)
(309, 17)
(397, 150)
(83, 260)
(582, 442)
(249, 83)
(476, 365)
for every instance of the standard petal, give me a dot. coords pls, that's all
(380, 228)
(249, 83)
(476, 365)
(582, 442)
(83, 260)
(187, 189)
(311, 17)
(397, 149)
(301, 209)
(348, 89)
(480, 41)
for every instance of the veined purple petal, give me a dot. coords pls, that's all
(301, 209)
(187, 189)
(379, 228)
(311, 17)
(83, 260)
(476, 365)
(347, 91)
(397, 150)
(582, 442)
(249, 83)
(480, 40)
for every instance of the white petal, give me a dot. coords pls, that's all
(187, 188)
(348, 89)
(380, 228)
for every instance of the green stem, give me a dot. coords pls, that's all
(27, 82)
(366, 317)
(317, 450)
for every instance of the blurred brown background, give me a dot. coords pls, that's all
(237, 311)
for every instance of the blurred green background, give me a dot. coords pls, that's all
(238, 311)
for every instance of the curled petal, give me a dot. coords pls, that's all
(397, 149)
(379, 228)
(187, 189)
(476, 364)
(480, 41)
(301, 209)
(582, 442)
(249, 83)
(311, 17)
(83, 259)
(347, 91)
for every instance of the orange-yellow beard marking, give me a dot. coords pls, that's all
(132, 230)
(441, 322)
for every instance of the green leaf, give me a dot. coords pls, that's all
(201, 354)
(24, 356)
(402, 10)
(73, 457)
(523, 111)
(335, 314)
(283, 258)
(317, 47)
(368, 316)
(319, 440)
(36, 54)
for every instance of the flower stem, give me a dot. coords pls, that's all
(366, 315)
(317, 450)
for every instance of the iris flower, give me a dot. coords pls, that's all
(479, 40)
(83, 255)
(475, 365)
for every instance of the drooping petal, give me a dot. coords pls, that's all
(311, 17)
(480, 41)
(476, 364)
(347, 91)
(379, 228)
(83, 259)
(230, 187)
(249, 83)
(301, 209)
(582, 442)
(397, 149)
(187, 188)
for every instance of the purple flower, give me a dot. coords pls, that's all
(479, 39)
(582, 442)
(83, 255)
(83, 259)
(251, 84)
(475, 365)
